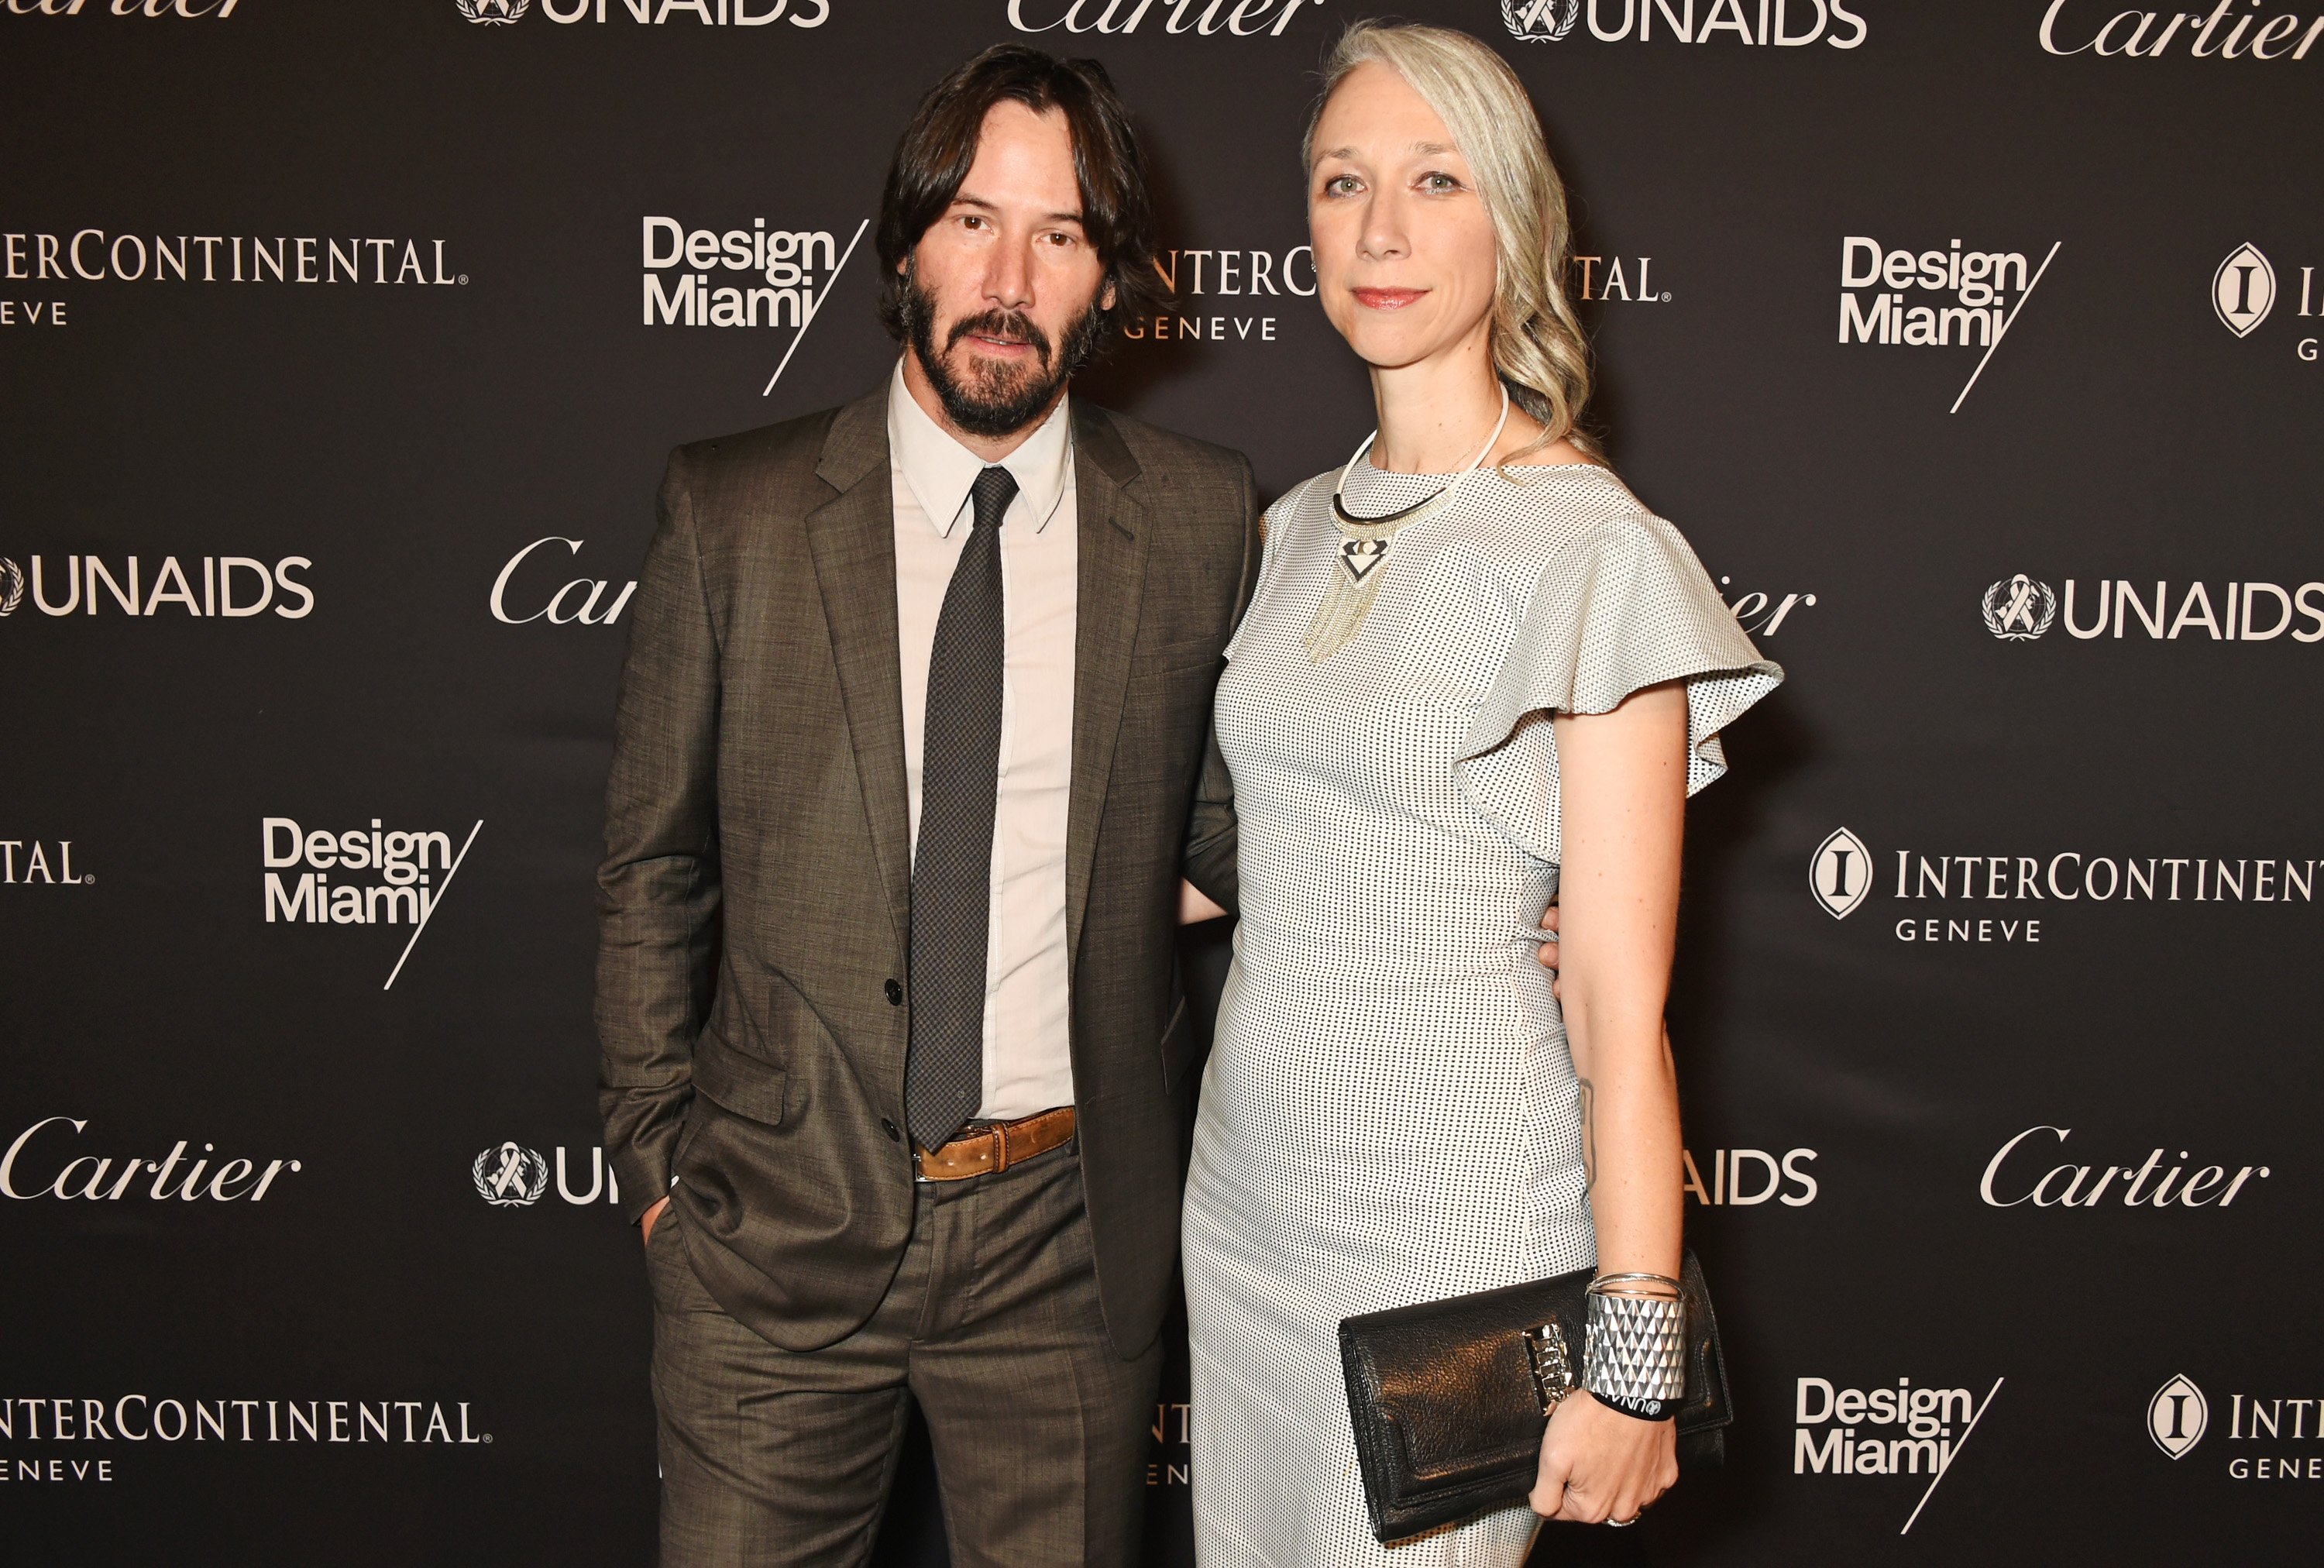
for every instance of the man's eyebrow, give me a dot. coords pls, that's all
(966, 199)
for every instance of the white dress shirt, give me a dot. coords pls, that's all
(1028, 1063)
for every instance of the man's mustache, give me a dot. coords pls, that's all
(1008, 325)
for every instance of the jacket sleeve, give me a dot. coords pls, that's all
(1210, 858)
(658, 887)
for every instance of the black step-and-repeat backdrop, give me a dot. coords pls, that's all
(1975, 345)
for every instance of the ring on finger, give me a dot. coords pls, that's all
(1626, 1524)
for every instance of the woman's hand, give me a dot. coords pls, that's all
(1598, 1464)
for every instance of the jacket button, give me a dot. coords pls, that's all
(895, 994)
(889, 1128)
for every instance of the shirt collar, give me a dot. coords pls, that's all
(942, 472)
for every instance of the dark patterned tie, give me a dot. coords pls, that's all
(952, 865)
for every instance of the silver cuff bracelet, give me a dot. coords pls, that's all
(1633, 1348)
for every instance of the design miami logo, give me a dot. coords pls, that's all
(2243, 291)
(1840, 873)
(2176, 1416)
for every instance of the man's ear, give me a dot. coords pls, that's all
(1105, 296)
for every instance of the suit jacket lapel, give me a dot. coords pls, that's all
(852, 539)
(1111, 581)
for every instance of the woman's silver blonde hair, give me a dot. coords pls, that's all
(1537, 344)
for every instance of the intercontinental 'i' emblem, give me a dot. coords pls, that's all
(1840, 873)
(12, 585)
(2176, 1416)
(2243, 291)
(1540, 21)
(493, 13)
(510, 1177)
(2020, 609)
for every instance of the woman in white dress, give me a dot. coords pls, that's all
(1459, 692)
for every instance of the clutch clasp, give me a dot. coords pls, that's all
(1552, 1367)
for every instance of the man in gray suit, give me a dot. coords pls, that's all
(912, 752)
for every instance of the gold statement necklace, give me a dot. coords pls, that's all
(1357, 565)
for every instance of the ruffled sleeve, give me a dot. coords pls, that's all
(1625, 606)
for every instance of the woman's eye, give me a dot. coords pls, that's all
(1439, 184)
(1341, 185)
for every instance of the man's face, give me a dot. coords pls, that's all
(1005, 288)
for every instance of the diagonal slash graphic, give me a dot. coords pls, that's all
(1990, 1393)
(439, 899)
(2007, 324)
(824, 293)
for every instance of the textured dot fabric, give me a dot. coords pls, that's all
(952, 860)
(1390, 1113)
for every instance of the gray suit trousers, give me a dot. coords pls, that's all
(993, 1323)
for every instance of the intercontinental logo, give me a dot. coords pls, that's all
(2243, 291)
(2176, 1416)
(1253, 280)
(1783, 25)
(2023, 608)
(30, 861)
(2246, 291)
(2025, 891)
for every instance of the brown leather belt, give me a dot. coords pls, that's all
(990, 1147)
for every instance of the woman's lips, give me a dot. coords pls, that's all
(1386, 299)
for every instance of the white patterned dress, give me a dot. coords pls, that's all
(1390, 1113)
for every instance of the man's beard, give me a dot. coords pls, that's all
(998, 399)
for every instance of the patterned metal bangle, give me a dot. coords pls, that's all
(1634, 1351)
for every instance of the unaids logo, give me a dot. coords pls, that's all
(2019, 609)
(2176, 1416)
(12, 585)
(1540, 21)
(493, 13)
(509, 1177)
(2243, 291)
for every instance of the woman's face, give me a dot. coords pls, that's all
(1404, 259)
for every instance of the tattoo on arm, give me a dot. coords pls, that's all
(1589, 1136)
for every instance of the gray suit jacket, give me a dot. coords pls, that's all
(755, 901)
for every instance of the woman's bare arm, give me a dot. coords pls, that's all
(1622, 806)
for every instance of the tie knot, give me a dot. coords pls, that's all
(993, 490)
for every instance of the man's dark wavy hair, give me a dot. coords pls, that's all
(939, 146)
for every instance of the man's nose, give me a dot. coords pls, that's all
(1008, 278)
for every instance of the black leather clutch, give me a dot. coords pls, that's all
(1449, 1397)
